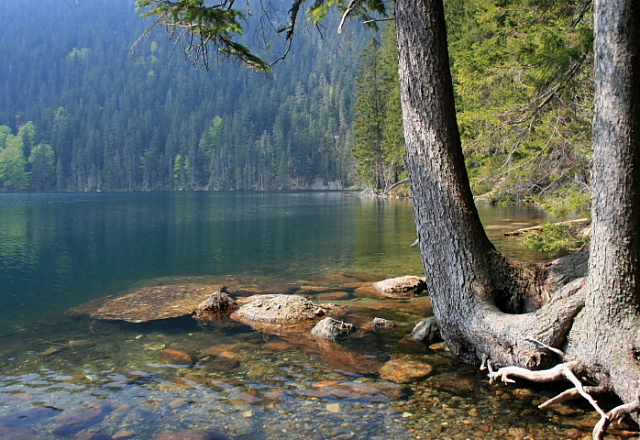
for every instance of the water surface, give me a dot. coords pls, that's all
(64, 377)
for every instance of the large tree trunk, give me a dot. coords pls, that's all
(492, 308)
(476, 292)
(606, 336)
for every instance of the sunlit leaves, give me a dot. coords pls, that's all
(13, 174)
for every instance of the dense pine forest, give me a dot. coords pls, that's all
(523, 74)
(80, 111)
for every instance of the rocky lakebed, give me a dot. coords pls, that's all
(334, 356)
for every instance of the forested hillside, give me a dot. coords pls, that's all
(522, 72)
(104, 119)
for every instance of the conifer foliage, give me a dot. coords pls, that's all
(106, 118)
(521, 71)
(379, 149)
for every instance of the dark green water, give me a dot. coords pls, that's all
(63, 377)
(57, 251)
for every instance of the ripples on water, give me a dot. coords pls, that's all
(85, 379)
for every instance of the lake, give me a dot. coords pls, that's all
(66, 375)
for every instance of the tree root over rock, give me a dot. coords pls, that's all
(566, 371)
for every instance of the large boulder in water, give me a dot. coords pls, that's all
(405, 287)
(280, 309)
(402, 287)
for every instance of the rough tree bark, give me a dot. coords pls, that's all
(606, 335)
(500, 310)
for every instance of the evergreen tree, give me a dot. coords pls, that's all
(42, 160)
(379, 148)
(117, 121)
(369, 120)
(524, 93)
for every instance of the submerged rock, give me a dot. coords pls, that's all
(24, 419)
(344, 359)
(19, 433)
(81, 418)
(278, 346)
(191, 435)
(383, 325)
(401, 287)
(427, 331)
(53, 350)
(154, 302)
(455, 383)
(176, 357)
(223, 361)
(332, 329)
(405, 370)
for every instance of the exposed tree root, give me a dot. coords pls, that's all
(617, 413)
(565, 371)
(570, 394)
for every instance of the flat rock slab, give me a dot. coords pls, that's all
(455, 383)
(152, 303)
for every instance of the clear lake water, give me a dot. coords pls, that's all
(65, 376)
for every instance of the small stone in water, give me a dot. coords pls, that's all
(52, 350)
(176, 357)
(123, 435)
(82, 343)
(404, 370)
(177, 403)
(333, 408)
(439, 346)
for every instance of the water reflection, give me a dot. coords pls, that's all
(63, 377)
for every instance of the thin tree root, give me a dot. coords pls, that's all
(559, 372)
(617, 413)
(564, 371)
(571, 393)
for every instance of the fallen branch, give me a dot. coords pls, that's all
(399, 182)
(539, 227)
